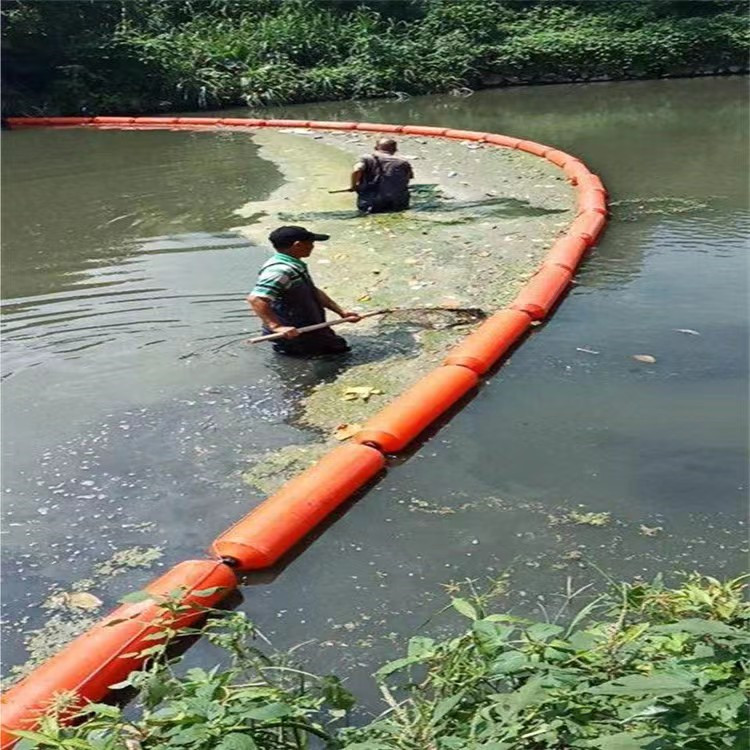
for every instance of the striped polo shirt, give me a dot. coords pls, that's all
(279, 274)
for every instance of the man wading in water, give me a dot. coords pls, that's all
(381, 179)
(285, 297)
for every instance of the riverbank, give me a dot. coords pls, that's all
(105, 58)
(481, 220)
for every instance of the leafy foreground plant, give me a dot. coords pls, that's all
(643, 667)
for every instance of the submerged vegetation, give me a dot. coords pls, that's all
(642, 666)
(109, 56)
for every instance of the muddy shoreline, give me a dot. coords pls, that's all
(479, 225)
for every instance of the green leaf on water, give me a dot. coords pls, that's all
(465, 608)
(445, 706)
(134, 597)
(509, 662)
(655, 684)
(269, 712)
(396, 664)
(420, 646)
(542, 631)
(697, 626)
(491, 636)
(720, 700)
(621, 741)
(207, 592)
(237, 741)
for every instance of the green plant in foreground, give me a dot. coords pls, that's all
(642, 667)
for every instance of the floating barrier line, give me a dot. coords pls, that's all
(111, 649)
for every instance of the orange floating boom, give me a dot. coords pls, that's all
(395, 426)
(482, 348)
(277, 524)
(109, 651)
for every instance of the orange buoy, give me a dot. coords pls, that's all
(155, 120)
(422, 130)
(326, 125)
(558, 158)
(481, 349)
(539, 295)
(593, 182)
(502, 140)
(588, 225)
(590, 199)
(567, 252)
(112, 120)
(239, 122)
(465, 135)
(109, 651)
(288, 123)
(532, 147)
(402, 420)
(27, 122)
(198, 120)
(378, 127)
(278, 523)
(575, 170)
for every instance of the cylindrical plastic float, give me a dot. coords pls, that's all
(109, 651)
(395, 426)
(590, 199)
(481, 349)
(587, 225)
(532, 147)
(575, 170)
(112, 120)
(541, 293)
(378, 127)
(277, 524)
(502, 140)
(326, 125)
(205, 121)
(288, 123)
(423, 130)
(241, 122)
(592, 182)
(567, 252)
(558, 158)
(155, 120)
(465, 135)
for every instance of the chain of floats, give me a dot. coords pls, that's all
(109, 651)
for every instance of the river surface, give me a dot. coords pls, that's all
(131, 406)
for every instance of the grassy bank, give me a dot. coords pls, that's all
(144, 55)
(641, 666)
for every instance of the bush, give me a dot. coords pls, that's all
(641, 667)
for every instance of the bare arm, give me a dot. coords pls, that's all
(356, 178)
(261, 306)
(329, 304)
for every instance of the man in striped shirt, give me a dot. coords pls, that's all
(285, 297)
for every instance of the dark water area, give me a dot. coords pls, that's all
(126, 421)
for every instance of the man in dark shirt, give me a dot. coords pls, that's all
(285, 297)
(381, 179)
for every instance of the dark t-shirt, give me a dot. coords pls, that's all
(386, 178)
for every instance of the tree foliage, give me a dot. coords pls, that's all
(134, 55)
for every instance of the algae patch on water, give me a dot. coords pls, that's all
(72, 610)
(480, 221)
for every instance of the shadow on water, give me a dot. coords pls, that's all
(428, 199)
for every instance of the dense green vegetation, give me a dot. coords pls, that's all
(109, 56)
(643, 667)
